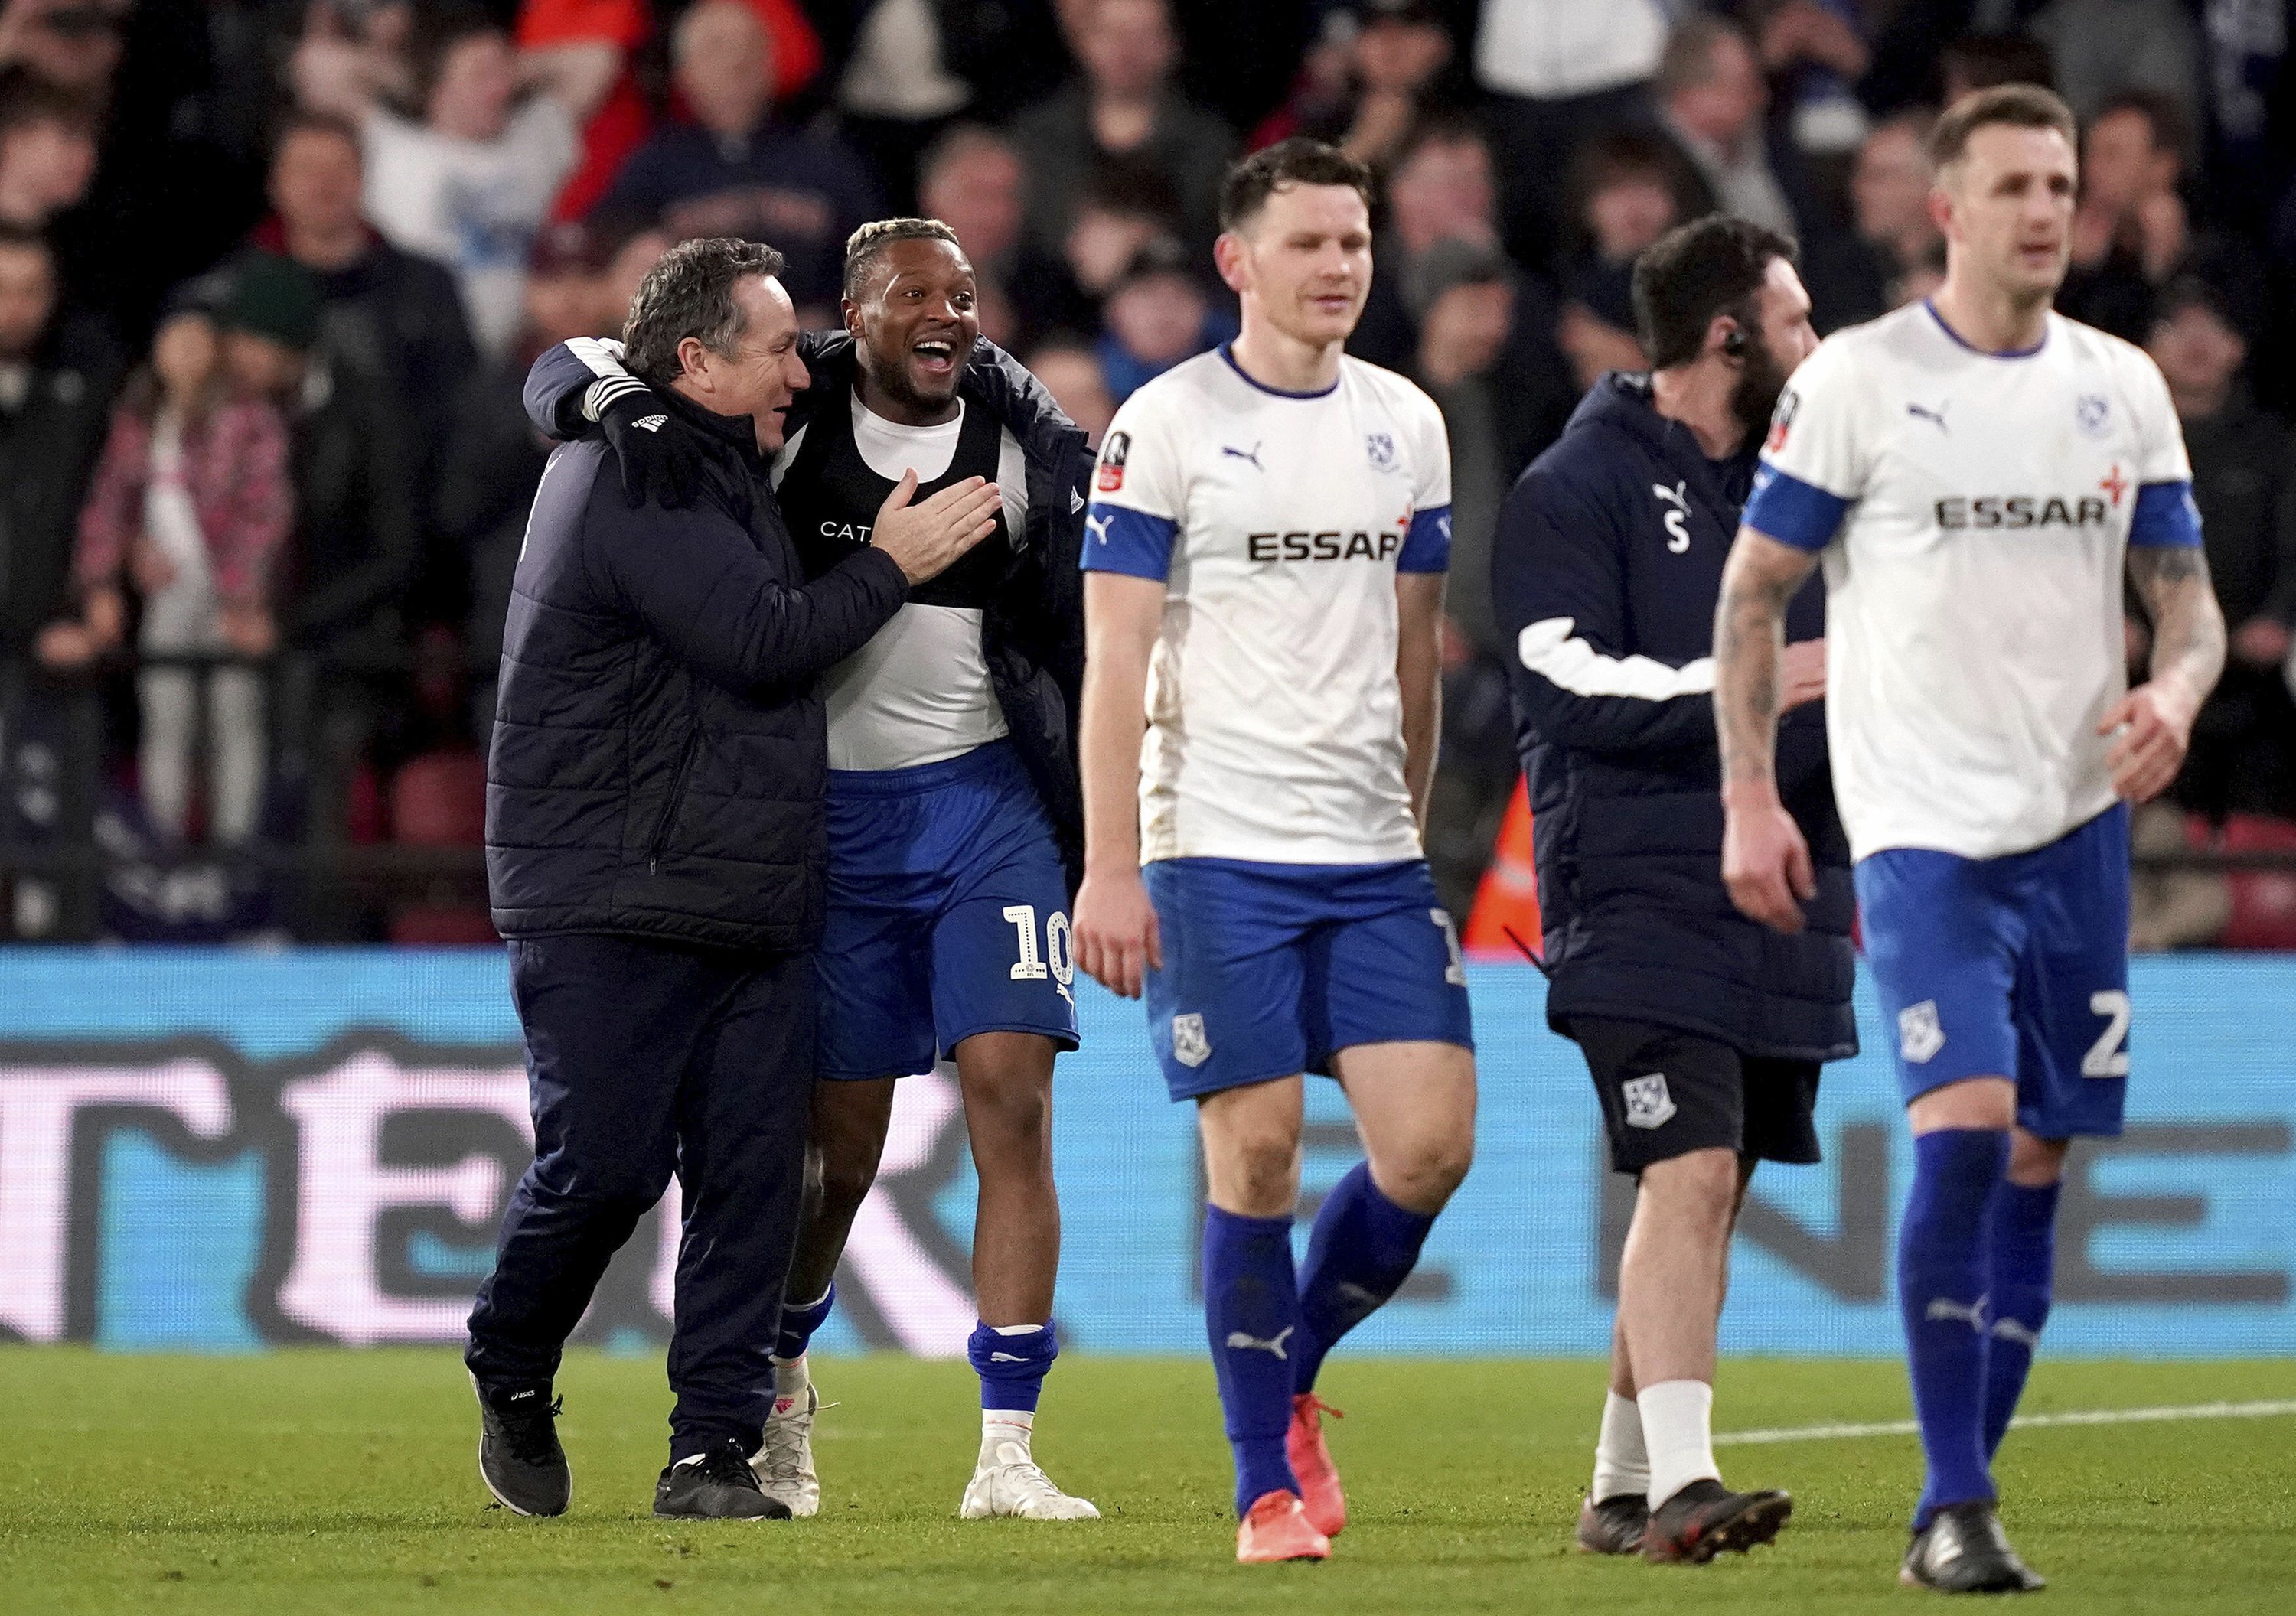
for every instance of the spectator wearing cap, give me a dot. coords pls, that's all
(343, 576)
(733, 170)
(1158, 313)
(1627, 188)
(2132, 233)
(1379, 69)
(1559, 73)
(1122, 108)
(384, 313)
(2243, 751)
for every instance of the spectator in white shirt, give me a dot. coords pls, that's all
(1559, 74)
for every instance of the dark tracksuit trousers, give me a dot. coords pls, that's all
(645, 1059)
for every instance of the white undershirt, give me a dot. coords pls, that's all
(919, 692)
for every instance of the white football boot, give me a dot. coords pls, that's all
(1007, 1481)
(784, 1465)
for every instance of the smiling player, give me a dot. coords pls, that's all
(953, 816)
(1978, 471)
(1266, 558)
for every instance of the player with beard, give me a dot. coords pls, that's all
(1703, 1030)
(955, 818)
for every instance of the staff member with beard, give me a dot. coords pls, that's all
(1703, 1030)
(953, 804)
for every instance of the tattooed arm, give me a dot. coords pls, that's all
(2153, 724)
(1765, 860)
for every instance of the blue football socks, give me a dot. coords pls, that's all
(1942, 1276)
(799, 1322)
(2022, 1249)
(1251, 1310)
(1011, 1362)
(1360, 1252)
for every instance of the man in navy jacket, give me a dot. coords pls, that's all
(952, 808)
(656, 851)
(1703, 1030)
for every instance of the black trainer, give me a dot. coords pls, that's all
(1963, 1550)
(1614, 1526)
(1706, 1519)
(717, 1486)
(519, 1456)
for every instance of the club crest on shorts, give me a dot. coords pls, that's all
(1919, 1036)
(1190, 1046)
(1648, 1103)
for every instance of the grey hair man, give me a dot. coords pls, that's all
(655, 852)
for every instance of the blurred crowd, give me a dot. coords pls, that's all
(271, 270)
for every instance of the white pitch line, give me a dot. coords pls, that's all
(2081, 1416)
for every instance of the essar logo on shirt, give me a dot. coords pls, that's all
(1111, 462)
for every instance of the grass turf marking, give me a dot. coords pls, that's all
(2077, 1416)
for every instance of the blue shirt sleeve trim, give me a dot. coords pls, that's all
(2165, 517)
(1119, 539)
(1792, 511)
(1427, 545)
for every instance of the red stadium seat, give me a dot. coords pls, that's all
(439, 800)
(2263, 901)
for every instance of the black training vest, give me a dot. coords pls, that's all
(830, 497)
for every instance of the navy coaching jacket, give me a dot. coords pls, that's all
(1032, 633)
(1605, 570)
(660, 756)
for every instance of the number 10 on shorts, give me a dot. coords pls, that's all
(1058, 959)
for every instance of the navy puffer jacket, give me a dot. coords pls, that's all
(660, 756)
(1032, 636)
(1605, 570)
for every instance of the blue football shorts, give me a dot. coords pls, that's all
(947, 915)
(2016, 968)
(1271, 968)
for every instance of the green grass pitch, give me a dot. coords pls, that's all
(345, 1483)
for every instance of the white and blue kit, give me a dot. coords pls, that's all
(947, 900)
(1974, 511)
(1276, 832)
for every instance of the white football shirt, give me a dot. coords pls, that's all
(1278, 522)
(1974, 510)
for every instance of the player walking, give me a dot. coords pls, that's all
(1974, 469)
(952, 806)
(1264, 561)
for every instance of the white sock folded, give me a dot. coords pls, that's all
(1621, 1462)
(791, 1376)
(999, 1427)
(1677, 1432)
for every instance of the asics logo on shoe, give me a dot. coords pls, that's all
(519, 1397)
(1242, 1342)
(651, 423)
